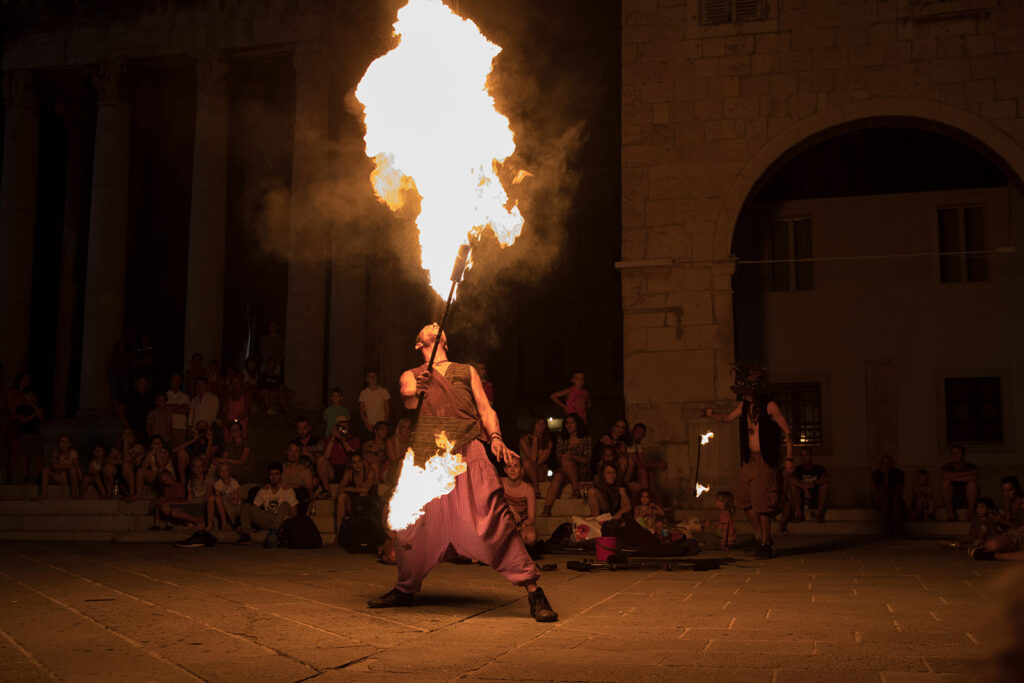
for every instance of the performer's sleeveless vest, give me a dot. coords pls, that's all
(448, 407)
(769, 434)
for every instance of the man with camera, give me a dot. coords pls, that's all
(341, 445)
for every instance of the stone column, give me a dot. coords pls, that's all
(103, 322)
(69, 276)
(204, 306)
(17, 219)
(308, 244)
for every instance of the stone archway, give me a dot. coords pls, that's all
(981, 132)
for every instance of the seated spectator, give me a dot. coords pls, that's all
(810, 486)
(156, 460)
(726, 526)
(193, 510)
(959, 482)
(375, 450)
(64, 469)
(135, 408)
(180, 404)
(341, 446)
(199, 446)
(273, 392)
(605, 456)
(196, 370)
(574, 399)
(398, 446)
(122, 460)
(646, 470)
(334, 410)
(272, 505)
(648, 514)
(358, 483)
(226, 499)
(237, 454)
(310, 445)
(535, 451)
(922, 501)
(94, 472)
(521, 501)
(172, 492)
(1005, 546)
(374, 403)
(295, 474)
(160, 420)
(28, 418)
(236, 405)
(205, 407)
(609, 496)
(887, 484)
(1011, 515)
(574, 467)
(984, 525)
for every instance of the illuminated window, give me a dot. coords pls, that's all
(962, 231)
(790, 241)
(800, 403)
(974, 409)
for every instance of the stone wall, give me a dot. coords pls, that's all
(707, 111)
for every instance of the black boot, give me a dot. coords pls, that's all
(393, 598)
(540, 608)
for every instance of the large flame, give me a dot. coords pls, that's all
(417, 485)
(431, 126)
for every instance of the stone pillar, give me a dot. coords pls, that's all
(103, 322)
(17, 219)
(204, 306)
(69, 276)
(308, 242)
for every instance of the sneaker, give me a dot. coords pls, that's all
(193, 541)
(981, 554)
(243, 538)
(540, 608)
(393, 598)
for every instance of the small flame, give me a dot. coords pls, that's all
(704, 438)
(417, 485)
(701, 488)
(431, 126)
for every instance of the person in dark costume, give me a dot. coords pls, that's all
(472, 520)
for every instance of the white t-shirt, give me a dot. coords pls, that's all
(376, 403)
(178, 398)
(225, 489)
(268, 499)
(205, 408)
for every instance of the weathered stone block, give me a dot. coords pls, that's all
(665, 338)
(669, 376)
(953, 70)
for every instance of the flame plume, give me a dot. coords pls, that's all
(417, 485)
(431, 126)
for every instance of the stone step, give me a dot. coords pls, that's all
(76, 536)
(76, 507)
(75, 522)
(180, 533)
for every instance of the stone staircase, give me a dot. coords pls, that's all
(91, 519)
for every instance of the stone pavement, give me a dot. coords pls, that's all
(827, 608)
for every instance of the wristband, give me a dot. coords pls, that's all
(496, 436)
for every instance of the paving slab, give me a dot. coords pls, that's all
(878, 610)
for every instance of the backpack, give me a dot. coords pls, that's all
(299, 533)
(361, 534)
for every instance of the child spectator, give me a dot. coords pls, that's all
(535, 450)
(193, 510)
(156, 460)
(574, 468)
(357, 482)
(725, 525)
(521, 501)
(272, 505)
(609, 496)
(63, 469)
(922, 501)
(374, 403)
(576, 399)
(199, 446)
(160, 421)
(334, 410)
(1011, 515)
(984, 525)
(94, 472)
(226, 499)
(341, 446)
(375, 450)
(172, 492)
(237, 454)
(649, 515)
(122, 460)
(398, 446)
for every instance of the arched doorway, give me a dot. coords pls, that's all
(877, 279)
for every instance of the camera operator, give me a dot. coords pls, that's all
(342, 444)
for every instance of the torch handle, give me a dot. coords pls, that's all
(696, 471)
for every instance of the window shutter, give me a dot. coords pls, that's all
(749, 10)
(716, 12)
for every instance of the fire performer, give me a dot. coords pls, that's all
(473, 519)
(762, 427)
